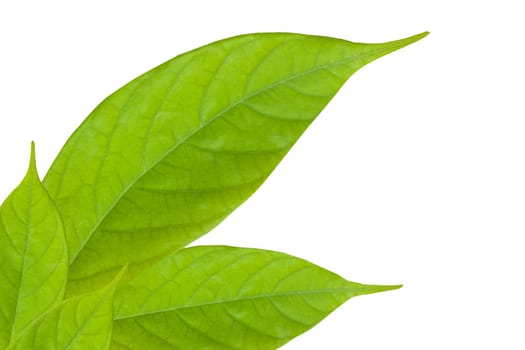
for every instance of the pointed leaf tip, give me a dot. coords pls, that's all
(371, 52)
(408, 40)
(417, 37)
(398, 44)
(32, 159)
(364, 289)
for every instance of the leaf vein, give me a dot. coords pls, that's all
(235, 300)
(190, 135)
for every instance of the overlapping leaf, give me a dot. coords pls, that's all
(167, 157)
(33, 256)
(219, 297)
(80, 323)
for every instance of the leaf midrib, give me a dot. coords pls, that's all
(201, 127)
(241, 299)
(30, 179)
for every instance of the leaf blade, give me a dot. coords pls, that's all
(217, 297)
(167, 157)
(33, 255)
(83, 322)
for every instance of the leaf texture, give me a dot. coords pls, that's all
(33, 256)
(217, 297)
(168, 156)
(80, 323)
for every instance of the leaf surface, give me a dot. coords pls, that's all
(168, 156)
(216, 297)
(79, 323)
(33, 256)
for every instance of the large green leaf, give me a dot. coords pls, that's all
(218, 297)
(171, 154)
(33, 256)
(80, 323)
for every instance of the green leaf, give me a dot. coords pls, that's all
(80, 323)
(33, 256)
(216, 297)
(168, 156)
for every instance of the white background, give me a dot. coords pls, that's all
(414, 174)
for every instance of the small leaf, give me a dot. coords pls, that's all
(80, 323)
(216, 297)
(33, 256)
(168, 156)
